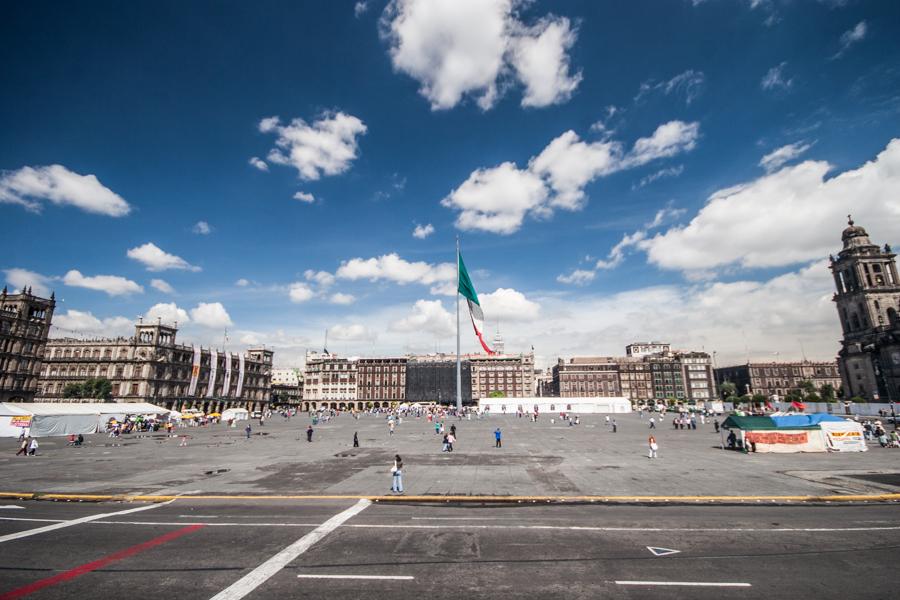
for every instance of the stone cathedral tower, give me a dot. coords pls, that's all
(868, 301)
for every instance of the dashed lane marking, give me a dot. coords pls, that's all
(389, 577)
(686, 583)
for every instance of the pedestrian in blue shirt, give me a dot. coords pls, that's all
(497, 436)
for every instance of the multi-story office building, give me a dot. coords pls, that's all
(777, 379)
(587, 376)
(152, 367)
(868, 300)
(24, 327)
(329, 378)
(509, 375)
(380, 379)
(287, 386)
(432, 378)
(635, 378)
(640, 349)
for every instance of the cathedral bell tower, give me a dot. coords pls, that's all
(868, 301)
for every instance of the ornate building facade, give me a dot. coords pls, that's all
(24, 327)
(152, 367)
(868, 301)
(776, 379)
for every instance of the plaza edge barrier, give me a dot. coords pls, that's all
(434, 499)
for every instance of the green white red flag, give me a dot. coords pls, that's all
(465, 287)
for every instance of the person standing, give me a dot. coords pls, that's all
(32, 447)
(498, 442)
(397, 475)
(716, 425)
(450, 441)
(23, 447)
(614, 426)
(652, 422)
(453, 430)
(248, 430)
(355, 440)
(391, 427)
(309, 432)
(445, 444)
(653, 447)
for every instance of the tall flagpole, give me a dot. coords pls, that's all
(458, 365)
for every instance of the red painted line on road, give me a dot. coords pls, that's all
(97, 564)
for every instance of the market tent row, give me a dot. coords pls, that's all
(499, 406)
(817, 432)
(41, 419)
(235, 414)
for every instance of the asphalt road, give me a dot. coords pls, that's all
(261, 549)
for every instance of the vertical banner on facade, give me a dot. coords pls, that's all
(195, 372)
(226, 386)
(213, 367)
(240, 383)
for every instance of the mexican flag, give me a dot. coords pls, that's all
(466, 288)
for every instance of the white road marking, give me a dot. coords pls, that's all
(394, 577)
(10, 507)
(22, 534)
(263, 572)
(198, 516)
(686, 583)
(657, 551)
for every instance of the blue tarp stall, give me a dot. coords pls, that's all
(818, 432)
(804, 420)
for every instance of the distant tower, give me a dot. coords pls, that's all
(499, 344)
(868, 299)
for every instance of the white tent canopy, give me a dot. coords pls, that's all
(64, 418)
(235, 414)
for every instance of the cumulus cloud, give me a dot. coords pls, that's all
(155, 259)
(577, 277)
(326, 146)
(423, 231)
(211, 314)
(167, 312)
(778, 157)
(689, 84)
(31, 186)
(81, 322)
(305, 197)
(20, 279)
(775, 78)
(322, 278)
(162, 285)
(786, 217)
(391, 267)
(111, 284)
(477, 48)
(351, 333)
(426, 316)
(202, 228)
(242, 282)
(360, 8)
(498, 199)
(507, 304)
(850, 37)
(341, 298)
(258, 163)
(300, 292)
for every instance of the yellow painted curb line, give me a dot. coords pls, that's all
(451, 498)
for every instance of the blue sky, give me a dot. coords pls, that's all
(602, 163)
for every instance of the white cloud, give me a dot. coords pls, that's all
(111, 284)
(162, 285)
(498, 199)
(577, 277)
(428, 316)
(790, 216)
(56, 184)
(322, 278)
(341, 298)
(300, 292)
(212, 315)
(80, 322)
(775, 78)
(667, 172)
(305, 197)
(850, 37)
(778, 157)
(506, 305)
(155, 259)
(689, 83)
(242, 282)
(20, 279)
(360, 8)
(258, 163)
(460, 48)
(351, 333)
(202, 228)
(167, 312)
(540, 57)
(423, 231)
(325, 147)
(391, 267)
(602, 126)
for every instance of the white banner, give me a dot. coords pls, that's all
(240, 383)
(195, 372)
(844, 437)
(226, 385)
(213, 367)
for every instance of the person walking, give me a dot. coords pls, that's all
(450, 441)
(355, 440)
(498, 442)
(397, 475)
(32, 447)
(614, 426)
(453, 430)
(248, 430)
(716, 425)
(391, 427)
(652, 423)
(445, 444)
(653, 447)
(309, 432)
(23, 447)
(607, 421)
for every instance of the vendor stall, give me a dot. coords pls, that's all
(796, 433)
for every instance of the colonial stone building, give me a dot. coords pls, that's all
(287, 386)
(24, 327)
(587, 376)
(868, 300)
(509, 375)
(380, 379)
(151, 367)
(329, 378)
(777, 379)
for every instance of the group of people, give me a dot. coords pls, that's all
(877, 431)
(27, 445)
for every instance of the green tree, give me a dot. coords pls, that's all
(827, 392)
(794, 396)
(858, 399)
(497, 394)
(98, 388)
(807, 387)
(727, 389)
(73, 390)
(759, 398)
